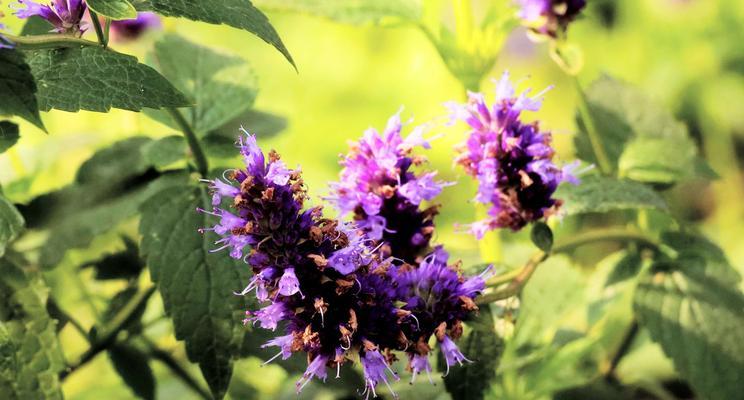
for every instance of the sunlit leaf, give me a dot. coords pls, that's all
(18, 87)
(114, 9)
(196, 285)
(598, 194)
(11, 223)
(353, 12)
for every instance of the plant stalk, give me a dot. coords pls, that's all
(199, 157)
(97, 26)
(525, 273)
(175, 367)
(108, 334)
(605, 166)
(50, 41)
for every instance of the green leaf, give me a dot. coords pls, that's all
(693, 307)
(641, 160)
(221, 141)
(11, 223)
(484, 347)
(8, 135)
(38, 359)
(637, 133)
(542, 236)
(36, 25)
(352, 12)
(626, 268)
(18, 88)
(236, 13)
(96, 79)
(166, 151)
(196, 285)
(223, 86)
(134, 368)
(114, 9)
(597, 194)
(117, 163)
(125, 264)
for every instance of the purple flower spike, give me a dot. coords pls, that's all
(549, 17)
(65, 15)
(418, 363)
(288, 284)
(379, 186)
(285, 345)
(132, 29)
(512, 161)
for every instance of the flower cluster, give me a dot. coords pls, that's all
(131, 29)
(511, 160)
(549, 17)
(326, 285)
(64, 15)
(380, 188)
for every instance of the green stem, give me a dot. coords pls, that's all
(191, 139)
(175, 367)
(605, 166)
(98, 28)
(75, 323)
(108, 334)
(51, 41)
(622, 350)
(107, 31)
(600, 235)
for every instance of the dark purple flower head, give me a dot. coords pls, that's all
(549, 17)
(436, 298)
(511, 160)
(65, 15)
(131, 29)
(325, 285)
(380, 188)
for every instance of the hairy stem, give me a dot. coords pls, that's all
(107, 335)
(50, 41)
(605, 166)
(622, 350)
(175, 367)
(97, 26)
(191, 139)
(516, 284)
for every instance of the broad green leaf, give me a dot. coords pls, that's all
(483, 346)
(353, 12)
(117, 163)
(8, 364)
(693, 307)
(236, 13)
(18, 88)
(114, 9)
(641, 160)
(222, 85)
(626, 268)
(597, 194)
(196, 285)
(96, 79)
(11, 223)
(125, 264)
(220, 142)
(542, 236)
(38, 359)
(36, 25)
(77, 230)
(636, 132)
(8, 135)
(166, 151)
(133, 367)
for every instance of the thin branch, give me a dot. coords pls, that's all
(622, 350)
(605, 166)
(199, 157)
(107, 335)
(175, 367)
(49, 41)
(97, 26)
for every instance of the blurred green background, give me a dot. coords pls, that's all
(688, 54)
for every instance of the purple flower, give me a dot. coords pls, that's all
(131, 29)
(269, 316)
(316, 368)
(452, 355)
(511, 160)
(378, 185)
(285, 345)
(375, 371)
(65, 15)
(549, 17)
(288, 284)
(418, 363)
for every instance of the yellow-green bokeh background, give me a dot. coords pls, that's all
(687, 54)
